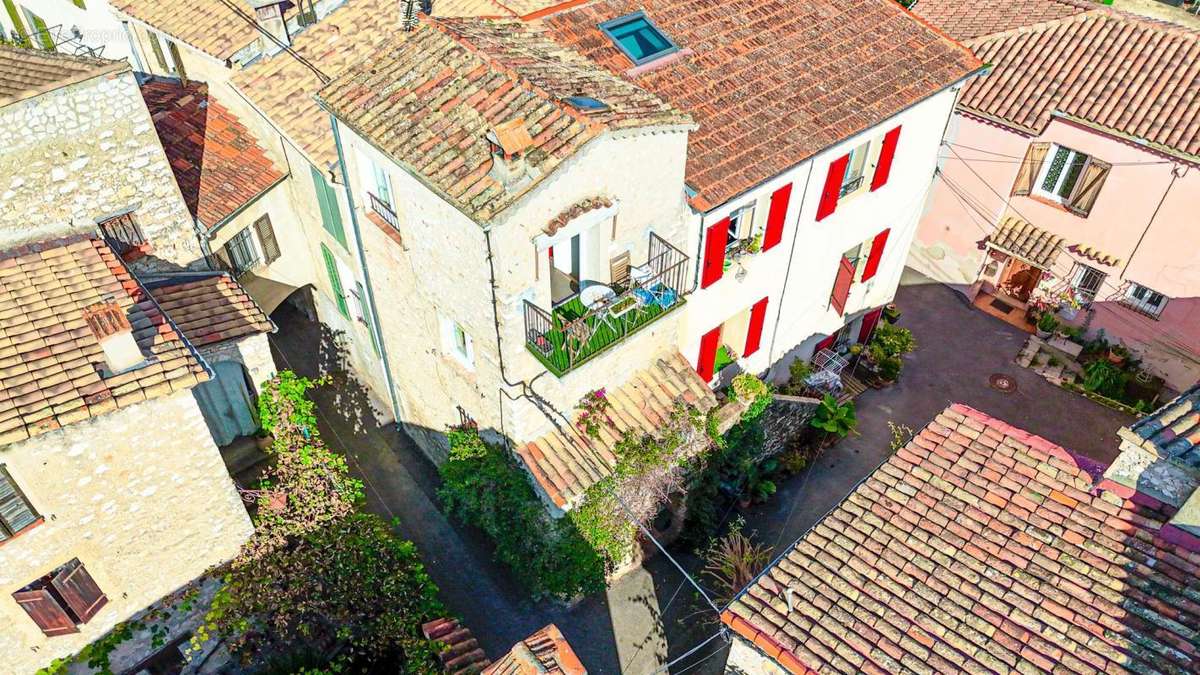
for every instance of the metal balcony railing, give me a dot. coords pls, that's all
(572, 334)
(383, 210)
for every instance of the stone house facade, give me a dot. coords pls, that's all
(1085, 203)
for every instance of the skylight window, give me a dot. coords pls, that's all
(639, 38)
(587, 104)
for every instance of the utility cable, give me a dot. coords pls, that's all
(240, 13)
(666, 666)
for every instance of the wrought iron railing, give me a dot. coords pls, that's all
(853, 185)
(1141, 299)
(572, 334)
(384, 210)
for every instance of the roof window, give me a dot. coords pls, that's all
(639, 38)
(587, 104)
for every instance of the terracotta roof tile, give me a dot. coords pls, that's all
(461, 653)
(979, 547)
(429, 97)
(1134, 76)
(210, 307)
(966, 20)
(51, 362)
(565, 467)
(209, 26)
(217, 162)
(28, 72)
(773, 82)
(546, 652)
(1022, 239)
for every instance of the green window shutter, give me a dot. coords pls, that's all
(156, 47)
(43, 32)
(335, 280)
(18, 25)
(331, 215)
(80, 4)
(366, 310)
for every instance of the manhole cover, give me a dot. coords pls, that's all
(1003, 383)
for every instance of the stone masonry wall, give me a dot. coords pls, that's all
(86, 152)
(784, 420)
(139, 495)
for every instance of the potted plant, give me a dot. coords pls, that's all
(1046, 325)
(1117, 354)
(837, 420)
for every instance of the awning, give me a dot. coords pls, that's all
(1020, 238)
(565, 463)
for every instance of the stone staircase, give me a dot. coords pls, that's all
(1053, 359)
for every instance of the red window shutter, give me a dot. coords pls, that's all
(884, 168)
(776, 216)
(870, 320)
(708, 353)
(833, 187)
(877, 246)
(79, 590)
(715, 239)
(758, 316)
(841, 285)
(45, 611)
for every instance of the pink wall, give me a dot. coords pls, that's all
(981, 166)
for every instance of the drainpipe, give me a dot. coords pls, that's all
(377, 324)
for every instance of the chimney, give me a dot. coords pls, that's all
(111, 328)
(269, 14)
(509, 142)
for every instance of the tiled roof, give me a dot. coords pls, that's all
(978, 548)
(1134, 76)
(773, 82)
(29, 72)
(461, 653)
(210, 307)
(1172, 431)
(209, 26)
(966, 20)
(565, 466)
(1023, 240)
(50, 361)
(546, 652)
(217, 162)
(429, 98)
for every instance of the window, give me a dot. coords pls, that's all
(852, 180)
(1061, 173)
(458, 342)
(1086, 281)
(266, 239)
(331, 213)
(383, 186)
(741, 227)
(364, 313)
(639, 38)
(1144, 300)
(16, 513)
(63, 599)
(240, 253)
(159, 56)
(122, 233)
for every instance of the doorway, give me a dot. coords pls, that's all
(226, 403)
(565, 273)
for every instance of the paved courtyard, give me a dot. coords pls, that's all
(653, 615)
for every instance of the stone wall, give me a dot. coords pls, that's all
(140, 496)
(784, 420)
(86, 152)
(744, 659)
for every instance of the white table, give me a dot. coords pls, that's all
(596, 296)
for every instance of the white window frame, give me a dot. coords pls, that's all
(462, 350)
(856, 169)
(1080, 272)
(741, 225)
(1143, 305)
(1052, 194)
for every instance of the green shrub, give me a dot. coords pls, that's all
(1047, 323)
(1105, 378)
(748, 387)
(483, 486)
(893, 340)
(836, 419)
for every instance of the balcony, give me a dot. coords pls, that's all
(384, 211)
(573, 333)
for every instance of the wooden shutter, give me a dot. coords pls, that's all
(883, 168)
(715, 239)
(833, 187)
(708, 353)
(335, 282)
(1031, 166)
(45, 611)
(79, 590)
(365, 303)
(266, 239)
(776, 216)
(758, 316)
(1088, 188)
(179, 69)
(331, 215)
(16, 513)
(156, 47)
(841, 285)
(877, 246)
(870, 320)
